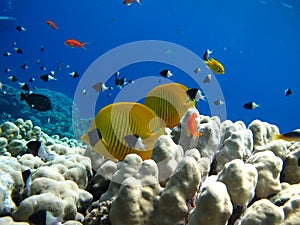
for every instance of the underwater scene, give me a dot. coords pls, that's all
(146, 112)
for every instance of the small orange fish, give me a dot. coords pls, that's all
(193, 126)
(128, 2)
(51, 24)
(75, 44)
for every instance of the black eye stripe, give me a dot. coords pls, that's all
(94, 136)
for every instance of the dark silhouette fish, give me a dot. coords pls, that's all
(36, 101)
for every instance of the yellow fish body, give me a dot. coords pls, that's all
(215, 66)
(289, 136)
(116, 121)
(170, 102)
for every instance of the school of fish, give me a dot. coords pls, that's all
(122, 128)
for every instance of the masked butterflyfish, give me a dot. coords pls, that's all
(289, 136)
(170, 102)
(123, 128)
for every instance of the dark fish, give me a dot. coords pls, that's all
(250, 105)
(25, 175)
(207, 54)
(117, 74)
(74, 74)
(33, 147)
(131, 81)
(18, 50)
(6, 54)
(12, 78)
(38, 218)
(288, 92)
(31, 79)
(120, 82)
(37, 62)
(100, 87)
(195, 94)
(44, 217)
(108, 95)
(20, 28)
(166, 73)
(47, 77)
(43, 68)
(36, 101)
(7, 70)
(42, 48)
(14, 44)
(24, 66)
(207, 79)
(24, 86)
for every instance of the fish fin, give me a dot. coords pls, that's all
(277, 136)
(83, 45)
(197, 134)
(143, 154)
(102, 148)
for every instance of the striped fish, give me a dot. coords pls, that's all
(116, 121)
(170, 102)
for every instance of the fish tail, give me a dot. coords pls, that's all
(83, 45)
(85, 138)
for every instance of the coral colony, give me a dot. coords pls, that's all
(232, 174)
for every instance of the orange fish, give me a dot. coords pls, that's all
(193, 126)
(51, 24)
(75, 44)
(128, 2)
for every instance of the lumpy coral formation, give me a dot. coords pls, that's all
(57, 121)
(233, 174)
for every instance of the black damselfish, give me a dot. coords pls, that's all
(36, 101)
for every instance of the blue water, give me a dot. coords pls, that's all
(257, 42)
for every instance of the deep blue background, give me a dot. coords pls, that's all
(258, 42)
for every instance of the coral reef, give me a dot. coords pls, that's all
(233, 174)
(57, 121)
(213, 206)
(262, 212)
